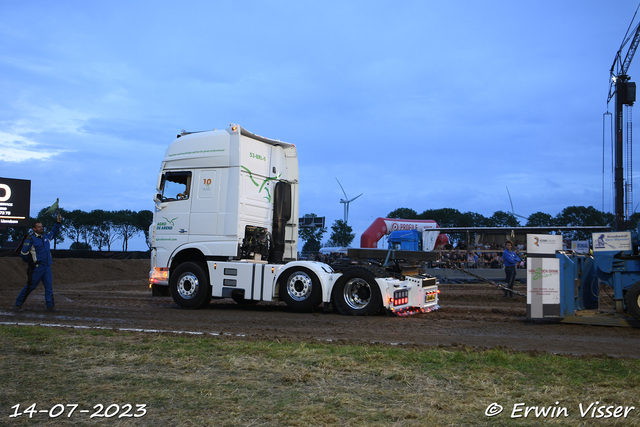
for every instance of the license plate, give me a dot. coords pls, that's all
(431, 297)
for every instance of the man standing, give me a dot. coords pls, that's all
(36, 252)
(510, 260)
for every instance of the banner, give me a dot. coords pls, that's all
(612, 241)
(580, 246)
(15, 202)
(543, 244)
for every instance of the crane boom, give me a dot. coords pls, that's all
(631, 51)
(619, 68)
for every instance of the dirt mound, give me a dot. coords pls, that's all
(13, 271)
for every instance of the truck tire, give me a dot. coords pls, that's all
(632, 300)
(190, 285)
(356, 293)
(300, 289)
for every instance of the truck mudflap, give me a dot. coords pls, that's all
(414, 295)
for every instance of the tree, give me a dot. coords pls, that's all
(342, 233)
(80, 246)
(503, 219)
(77, 225)
(311, 236)
(97, 228)
(472, 219)
(104, 232)
(540, 219)
(124, 222)
(143, 220)
(582, 216)
(403, 213)
(634, 220)
(14, 234)
(445, 217)
(311, 246)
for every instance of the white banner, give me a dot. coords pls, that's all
(396, 225)
(543, 287)
(543, 243)
(580, 246)
(612, 241)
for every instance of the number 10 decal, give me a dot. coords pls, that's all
(207, 183)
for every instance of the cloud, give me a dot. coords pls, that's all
(16, 148)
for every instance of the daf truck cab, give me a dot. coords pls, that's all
(226, 226)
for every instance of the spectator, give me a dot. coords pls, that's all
(510, 260)
(471, 260)
(487, 258)
(495, 262)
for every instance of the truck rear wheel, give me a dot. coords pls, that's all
(356, 293)
(300, 289)
(190, 286)
(632, 300)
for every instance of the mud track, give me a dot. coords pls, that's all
(114, 294)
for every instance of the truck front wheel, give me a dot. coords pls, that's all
(632, 300)
(356, 293)
(300, 289)
(190, 286)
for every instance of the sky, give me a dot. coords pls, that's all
(416, 104)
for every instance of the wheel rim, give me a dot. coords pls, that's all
(357, 293)
(299, 286)
(188, 285)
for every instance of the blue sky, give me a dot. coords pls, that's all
(417, 104)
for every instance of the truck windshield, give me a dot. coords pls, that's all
(176, 186)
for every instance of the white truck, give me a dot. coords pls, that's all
(226, 226)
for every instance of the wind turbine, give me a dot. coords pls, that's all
(346, 202)
(515, 214)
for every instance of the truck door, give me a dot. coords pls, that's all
(173, 210)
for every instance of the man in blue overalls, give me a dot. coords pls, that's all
(36, 251)
(510, 261)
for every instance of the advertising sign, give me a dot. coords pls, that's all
(543, 243)
(543, 276)
(580, 246)
(543, 287)
(407, 224)
(15, 202)
(612, 241)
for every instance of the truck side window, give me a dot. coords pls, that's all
(176, 186)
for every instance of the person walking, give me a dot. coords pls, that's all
(36, 251)
(510, 261)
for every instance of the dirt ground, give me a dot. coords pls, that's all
(115, 294)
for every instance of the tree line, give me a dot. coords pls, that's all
(341, 235)
(97, 229)
(572, 216)
(102, 229)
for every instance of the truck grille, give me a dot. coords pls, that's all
(428, 281)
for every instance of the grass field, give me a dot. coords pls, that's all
(187, 380)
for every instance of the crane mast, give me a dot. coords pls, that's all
(625, 94)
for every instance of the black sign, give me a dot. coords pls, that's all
(313, 222)
(15, 202)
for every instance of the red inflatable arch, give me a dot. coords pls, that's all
(384, 226)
